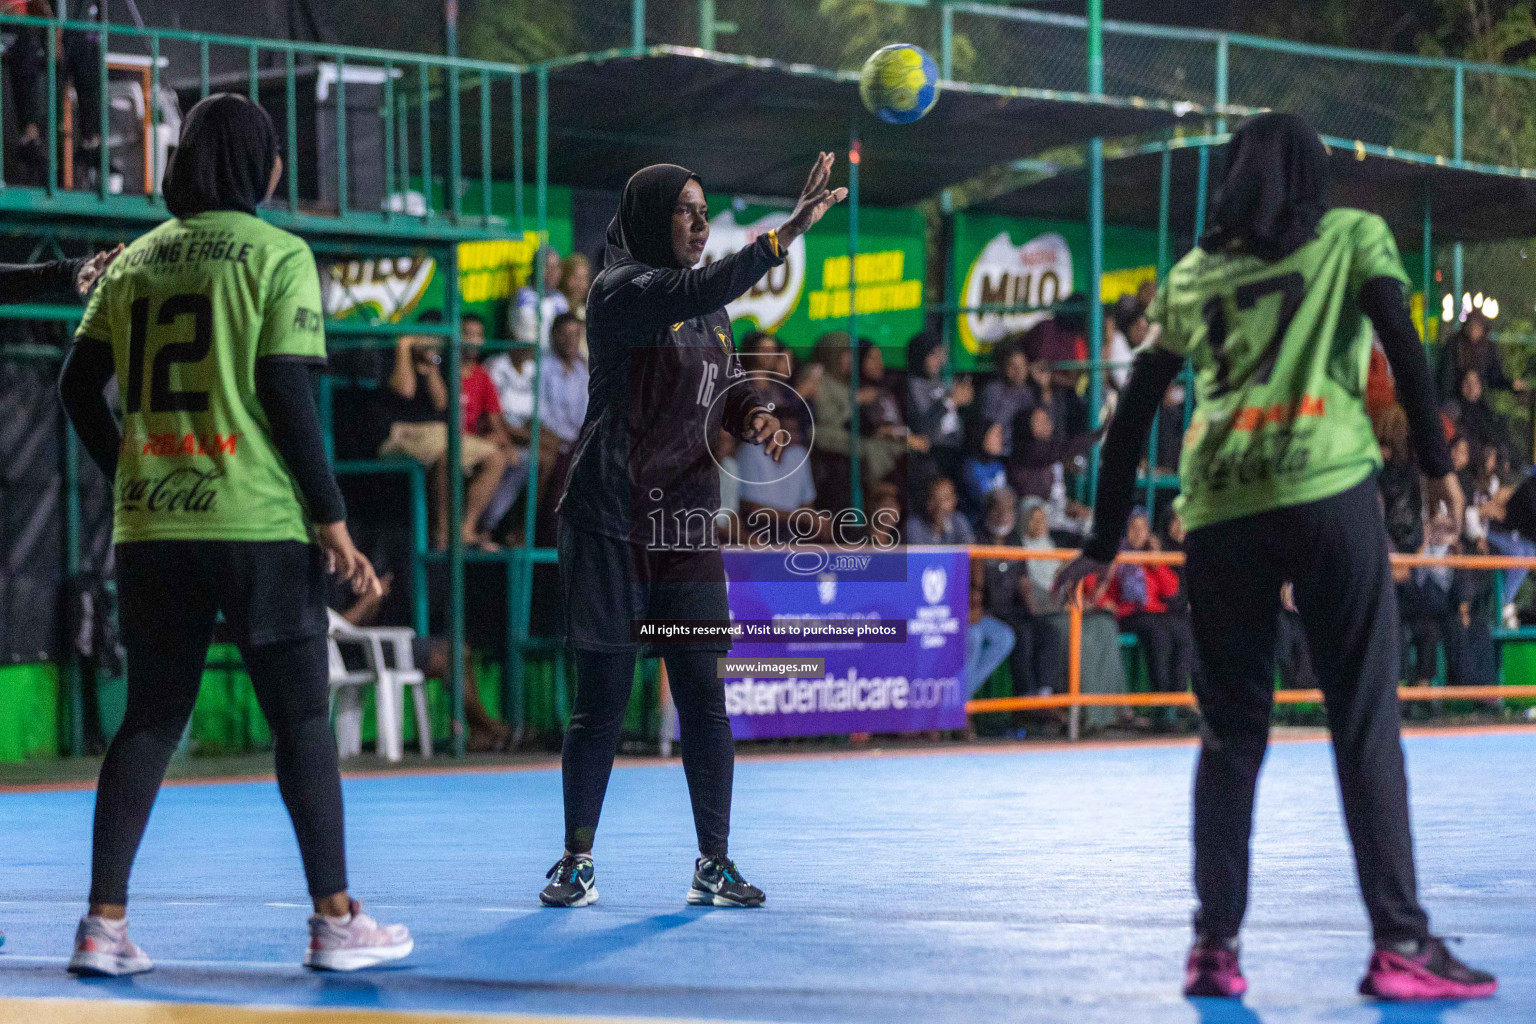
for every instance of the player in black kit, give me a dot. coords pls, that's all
(636, 536)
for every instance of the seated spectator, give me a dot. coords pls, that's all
(1062, 338)
(1009, 393)
(882, 431)
(984, 471)
(1038, 469)
(530, 319)
(480, 405)
(26, 67)
(512, 372)
(1401, 496)
(563, 381)
(771, 365)
(575, 282)
(835, 408)
(1475, 421)
(1054, 392)
(1471, 348)
(940, 523)
(1039, 621)
(885, 514)
(1125, 328)
(1484, 488)
(933, 407)
(1293, 658)
(417, 398)
(1437, 603)
(987, 640)
(770, 492)
(1140, 596)
(430, 654)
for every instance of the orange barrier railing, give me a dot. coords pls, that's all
(1074, 698)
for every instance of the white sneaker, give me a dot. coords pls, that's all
(354, 942)
(102, 947)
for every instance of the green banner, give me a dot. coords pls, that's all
(811, 293)
(1026, 264)
(400, 288)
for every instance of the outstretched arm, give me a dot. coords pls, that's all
(1151, 374)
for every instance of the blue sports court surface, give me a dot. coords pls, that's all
(976, 885)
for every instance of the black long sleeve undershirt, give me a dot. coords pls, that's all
(284, 387)
(1381, 299)
(27, 281)
(1124, 445)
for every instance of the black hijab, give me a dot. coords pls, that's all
(1274, 192)
(643, 227)
(224, 158)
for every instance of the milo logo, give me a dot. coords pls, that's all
(181, 490)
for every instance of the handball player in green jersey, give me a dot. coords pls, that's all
(224, 502)
(1274, 311)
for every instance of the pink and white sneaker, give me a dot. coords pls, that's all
(1423, 969)
(354, 942)
(103, 949)
(1212, 970)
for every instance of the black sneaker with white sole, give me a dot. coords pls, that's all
(717, 883)
(573, 882)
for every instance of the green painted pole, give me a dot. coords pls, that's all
(1428, 268)
(291, 110)
(1458, 144)
(387, 114)
(541, 213)
(1095, 238)
(75, 682)
(424, 92)
(202, 67)
(517, 150)
(154, 112)
(485, 150)
(707, 24)
(103, 127)
(637, 24)
(455, 149)
(53, 112)
(253, 77)
(451, 27)
(1202, 177)
(856, 484)
(343, 169)
(1164, 196)
(947, 42)
(450, 264)
(1223, 52)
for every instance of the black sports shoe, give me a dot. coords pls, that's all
(573, 882)
(1423, 969)
(717, 883)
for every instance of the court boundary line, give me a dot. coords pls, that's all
(1318, 734)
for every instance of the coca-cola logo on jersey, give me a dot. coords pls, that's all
(181, 490)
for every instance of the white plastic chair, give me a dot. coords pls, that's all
(391, 675)
(346, 688)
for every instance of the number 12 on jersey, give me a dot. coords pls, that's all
(161, 397)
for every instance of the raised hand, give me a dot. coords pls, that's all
(90, 272)
(815, 200)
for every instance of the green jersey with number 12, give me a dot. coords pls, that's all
(188, 309)
(1280, 353)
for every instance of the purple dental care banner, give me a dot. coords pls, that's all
(866, 687)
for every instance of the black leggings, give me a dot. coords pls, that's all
(167, 622)
(1335, 552)
(603, 683)
(1168, 645)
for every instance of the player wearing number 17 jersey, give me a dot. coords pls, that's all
(1274, 310)
(224, 502)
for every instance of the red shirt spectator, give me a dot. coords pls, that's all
(478, 399)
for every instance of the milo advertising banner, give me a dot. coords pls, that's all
(397, 289)
(812, 292)
(1030, 264)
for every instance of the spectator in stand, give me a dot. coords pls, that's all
(835, 408)
(772, 491)
(1062, 338)
(1293, 659)
(940, 523)
(1125, 328)
(771, 365)
(563, 381)
(1437, 604)
(417, 399)
(1402, 502)
(1487, 486)
(984, 470)
(1475, 421)
(999, 526)
(1039, 465)
(883, 434)
(885, 518)
(1141, 596)
(1471, 348)
(430, 654)
(1008, 394)
(480, 406)
(1067, 410)
(1038, 619)
(988, 639)
(512, 372)
(575, 282)
(933, 407)
(26, 67)
(531, 318)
